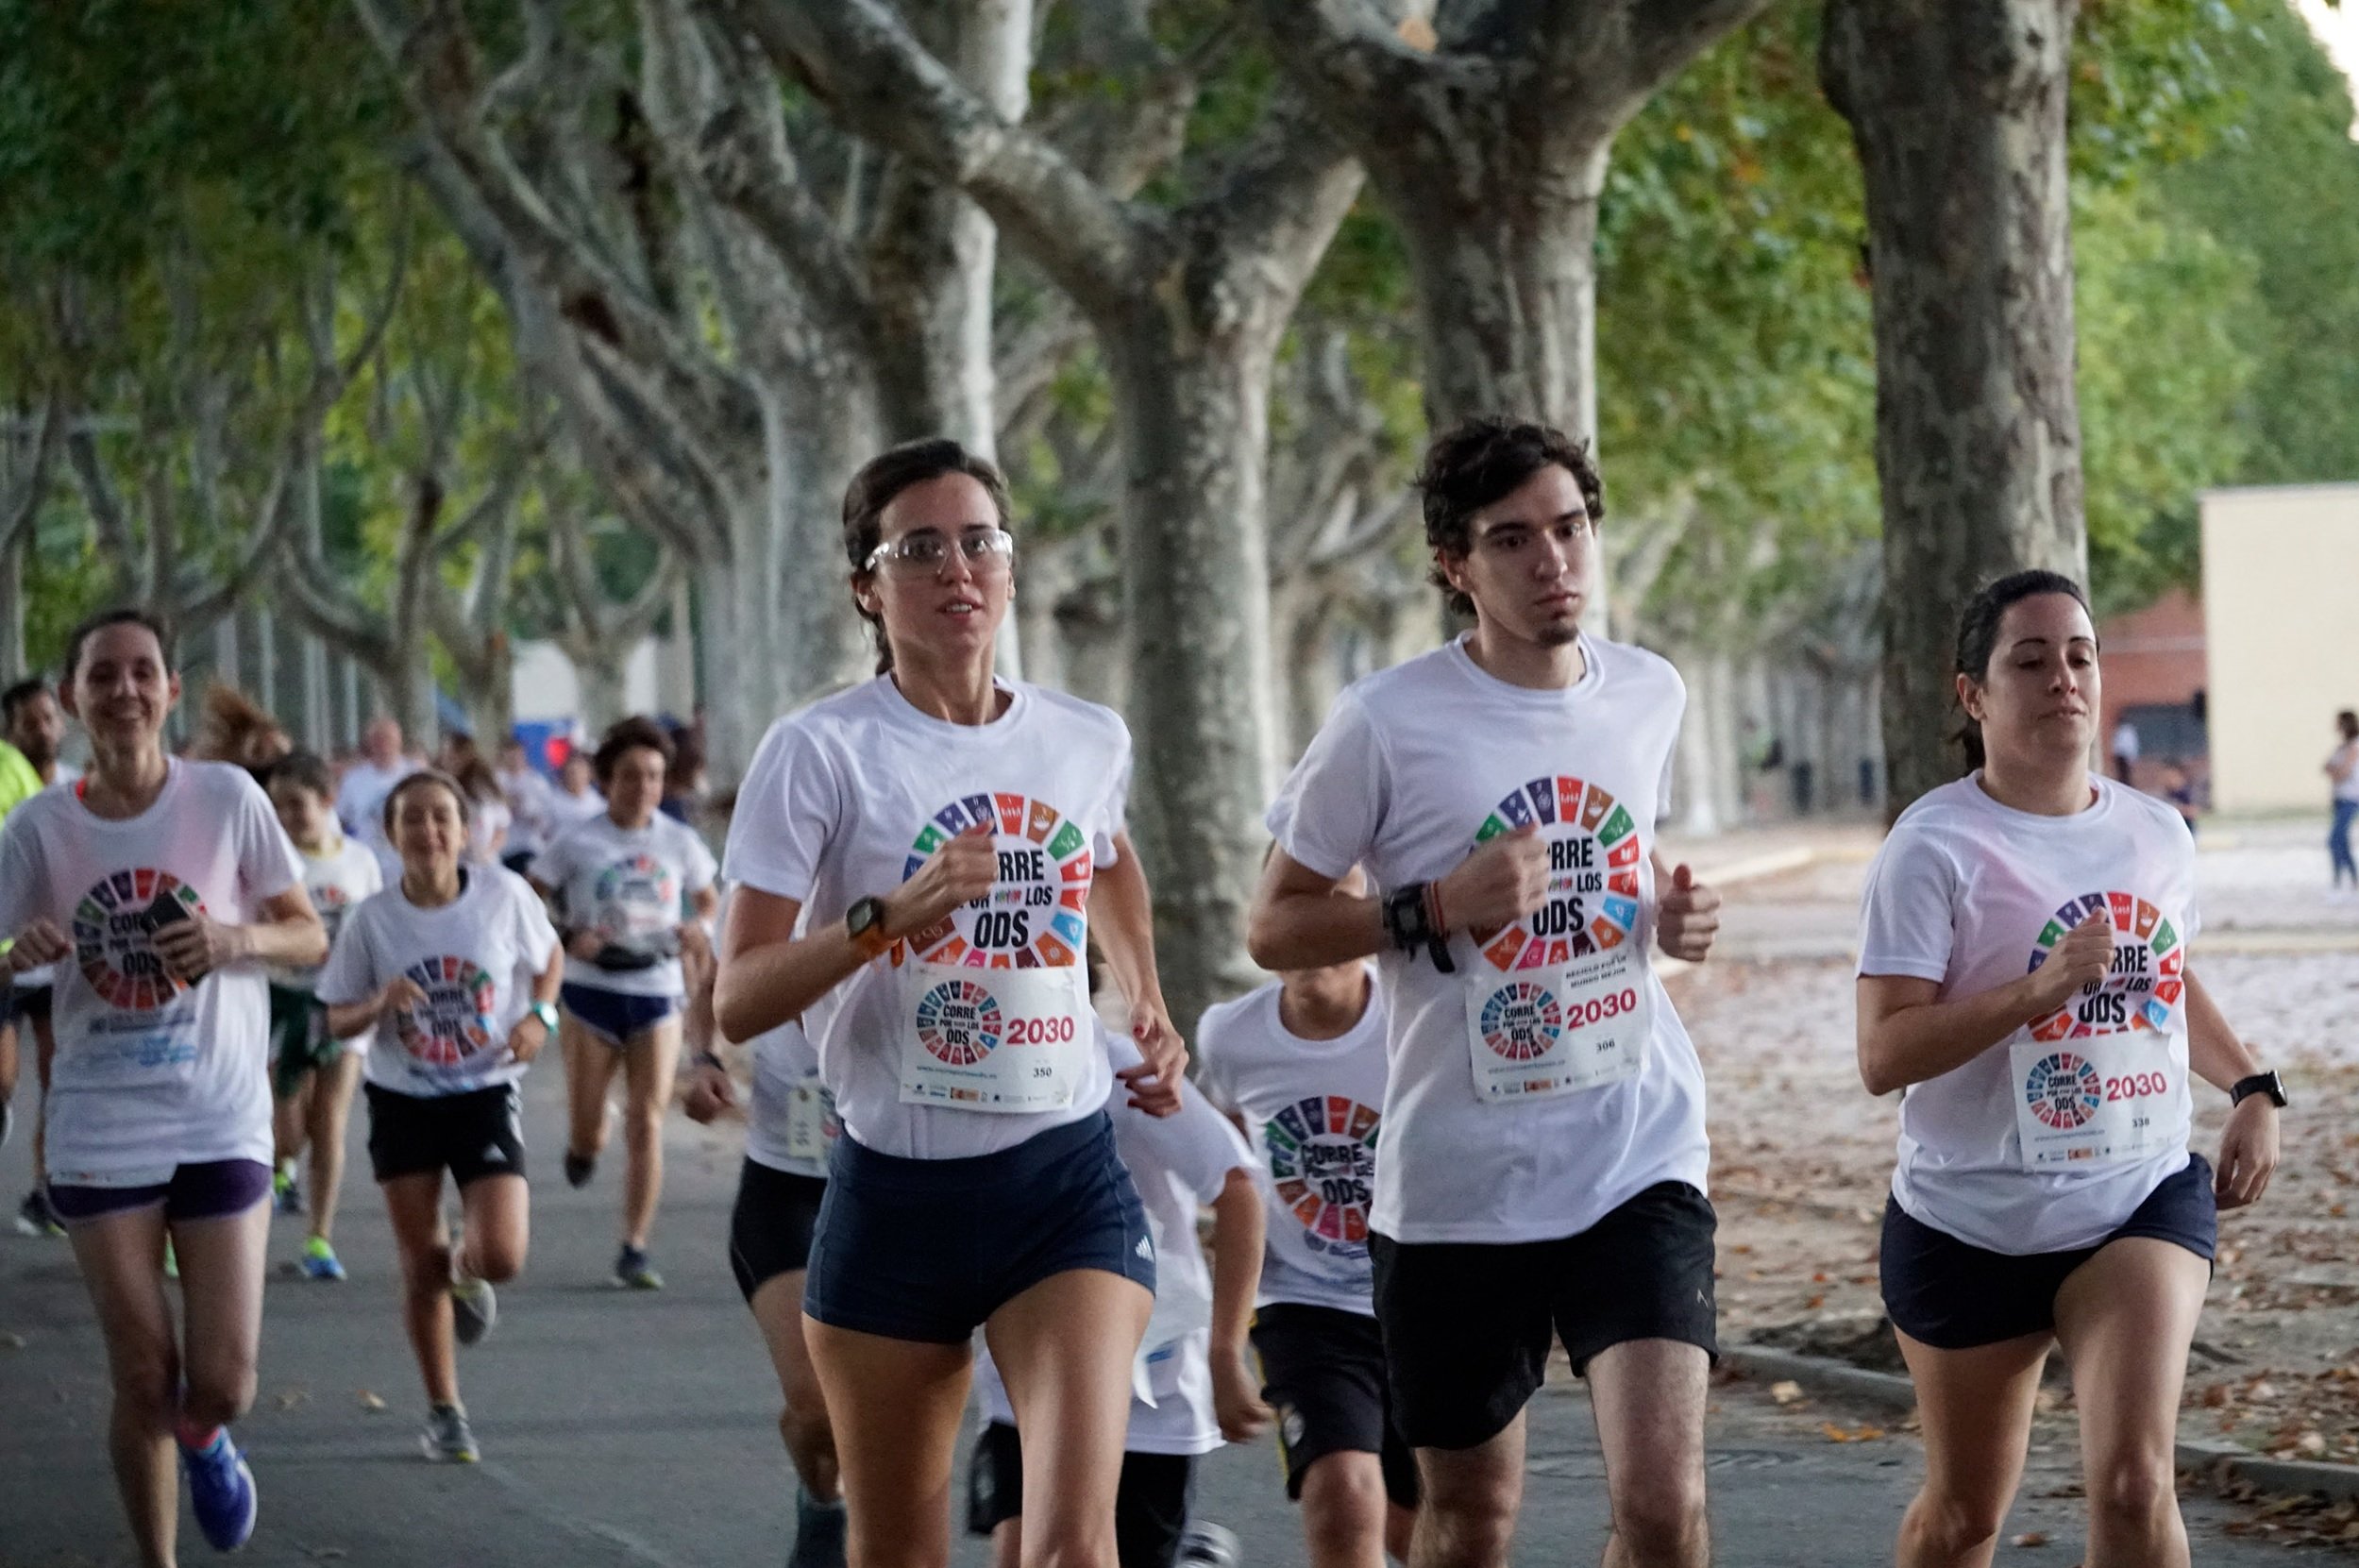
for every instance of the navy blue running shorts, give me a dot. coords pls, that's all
(1953, 1295)
(927, 1249)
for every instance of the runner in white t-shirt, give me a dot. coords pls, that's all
(527, 794)
(575, 799)
(631, 889)
(169, 886)
(1544, 1122)
(1300, 1064)
(790, 1126)
(2342, 773)
(920, 864)
(31, 721)
(1190, 1390)
(312, 1075)
(2024, 980)
(447, 980)
(361, 793)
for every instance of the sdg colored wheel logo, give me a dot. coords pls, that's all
(2062, 1091)
(1522, 1020)
(959, 1022)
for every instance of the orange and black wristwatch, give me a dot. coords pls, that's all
(865, 921)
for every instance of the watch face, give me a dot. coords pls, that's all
(861, 916)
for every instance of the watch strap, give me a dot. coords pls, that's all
(546, 1013)
(2260, 1083)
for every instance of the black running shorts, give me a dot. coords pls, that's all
(1466, 1324)
(1323, 1373)
(771, 1226)
(1149, 1505)
(472, 1136)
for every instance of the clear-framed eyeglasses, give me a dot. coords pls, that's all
(926, 551)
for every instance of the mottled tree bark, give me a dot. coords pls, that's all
(1489, 151)
(1957, 109)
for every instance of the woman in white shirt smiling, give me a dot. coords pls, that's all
(169, 884)
(2023, 978)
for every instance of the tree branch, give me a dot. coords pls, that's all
(20, 503)
(882, 82)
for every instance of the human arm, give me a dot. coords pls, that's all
(768, 975)
(1238, 1234)
(1121, 916)
(346, 1020)
(289, 933)
(532, 1032)
(1906, 1035)
(2249, 1144)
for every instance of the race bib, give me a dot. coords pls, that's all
(1001, 1041)
(1562, 1001)
(2108, 1099)
(812, 1127)
(2096, 1081)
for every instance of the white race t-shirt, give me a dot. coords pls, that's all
(1312, 1109)
(338, 879)
(1415, 766)
(2346, 788)
(361, 797)
(1179, 1163)
(792, 1122)
(527, 800)
(151, 1072)
(488, 818)
(630, 885)
(847, 798)
(566, 811)
(474, 957)
(1974, 895)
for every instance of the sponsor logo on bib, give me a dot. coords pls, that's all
(959, 1022)
(1323, 1160)
(1593, 859)
(115, 942)
(454, 1024)
(1037, 914)
(2145, 986)
(2063, 1090)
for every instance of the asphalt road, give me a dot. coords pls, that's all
(637, 1431)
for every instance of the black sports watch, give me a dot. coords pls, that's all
(2260, 1083)
(864, 923)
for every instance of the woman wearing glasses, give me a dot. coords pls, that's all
(922, 862)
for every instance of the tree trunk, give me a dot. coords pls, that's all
(604, 677)
(12, 610)
(1194, 418)
(1505, 274)
(1978, 433)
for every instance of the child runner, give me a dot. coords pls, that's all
(453, 971)
(2024, 979)
(1191, 1392)
(920, 862)
(1300, 1063)
(790, 1126)
(312, 1075)
(632, 889)
(169, 884)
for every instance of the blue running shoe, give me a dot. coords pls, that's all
(319, 1259)
(221, 1489)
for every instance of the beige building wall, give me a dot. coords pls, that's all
(2280, 613)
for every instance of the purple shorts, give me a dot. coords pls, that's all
(212, 1191)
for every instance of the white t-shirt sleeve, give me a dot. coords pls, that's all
(1327, 816)
(536, 937)
(1117, 814)
(553, 867)
(1908, 920)
(268, 862)
(786, 814)
(1211, 1075)
(701, 867)
(350, 973)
